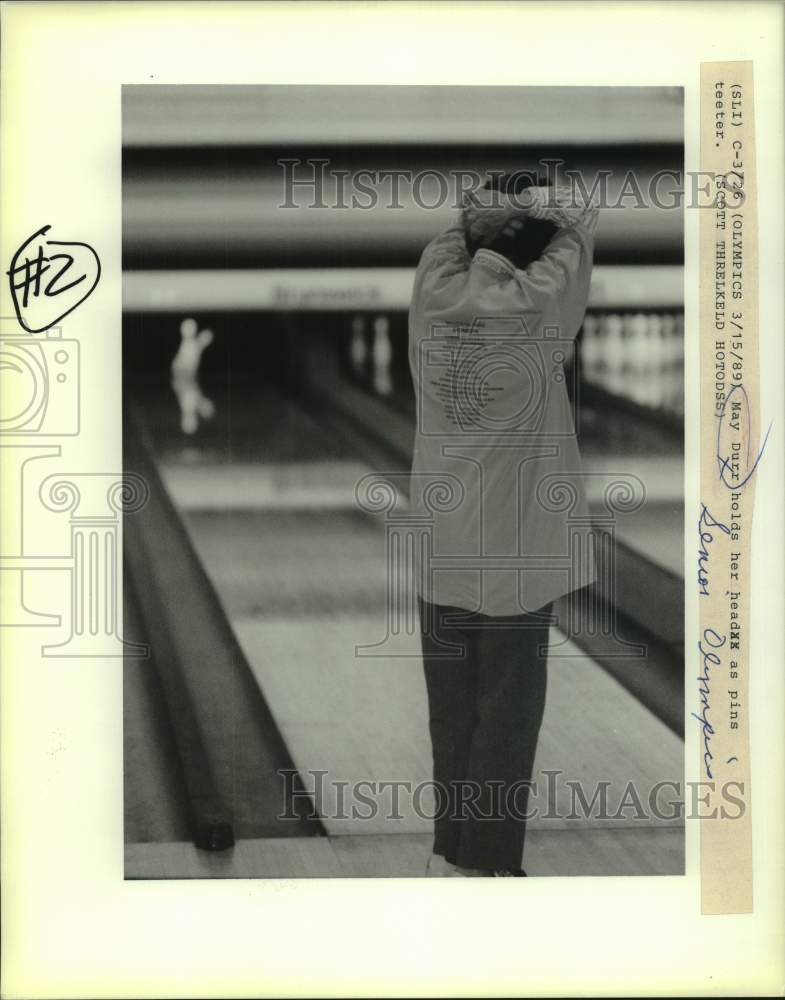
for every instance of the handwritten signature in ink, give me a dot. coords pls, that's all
(706, 521)
(710, 659)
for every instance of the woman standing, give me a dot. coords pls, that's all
(498, 300)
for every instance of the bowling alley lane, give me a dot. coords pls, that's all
(628, 444)
(266, 493)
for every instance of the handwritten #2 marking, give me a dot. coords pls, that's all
(72, 271)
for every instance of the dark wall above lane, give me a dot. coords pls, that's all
(223, 207)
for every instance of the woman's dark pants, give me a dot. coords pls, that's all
(486, 700)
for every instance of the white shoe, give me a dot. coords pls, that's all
(439, 867)
(472, 872)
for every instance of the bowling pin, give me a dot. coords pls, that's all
(669, 351)
(189, 354)
(638, 371)
(188, 329)
(382, 356)
(358, 351)
(185, 376)
(614, 354)
(678, 354)
(590, 350)
(656, 393)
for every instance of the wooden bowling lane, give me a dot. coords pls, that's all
(629, 445)
(303, 590)
(226, 742)
(366, 719)
(253, 425)
(303, 584)
(562, 852)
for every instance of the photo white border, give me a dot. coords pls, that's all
(71, 925)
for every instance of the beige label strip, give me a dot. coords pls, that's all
(731, 448)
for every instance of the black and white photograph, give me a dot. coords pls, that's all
(391, 401)
(403, 378)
